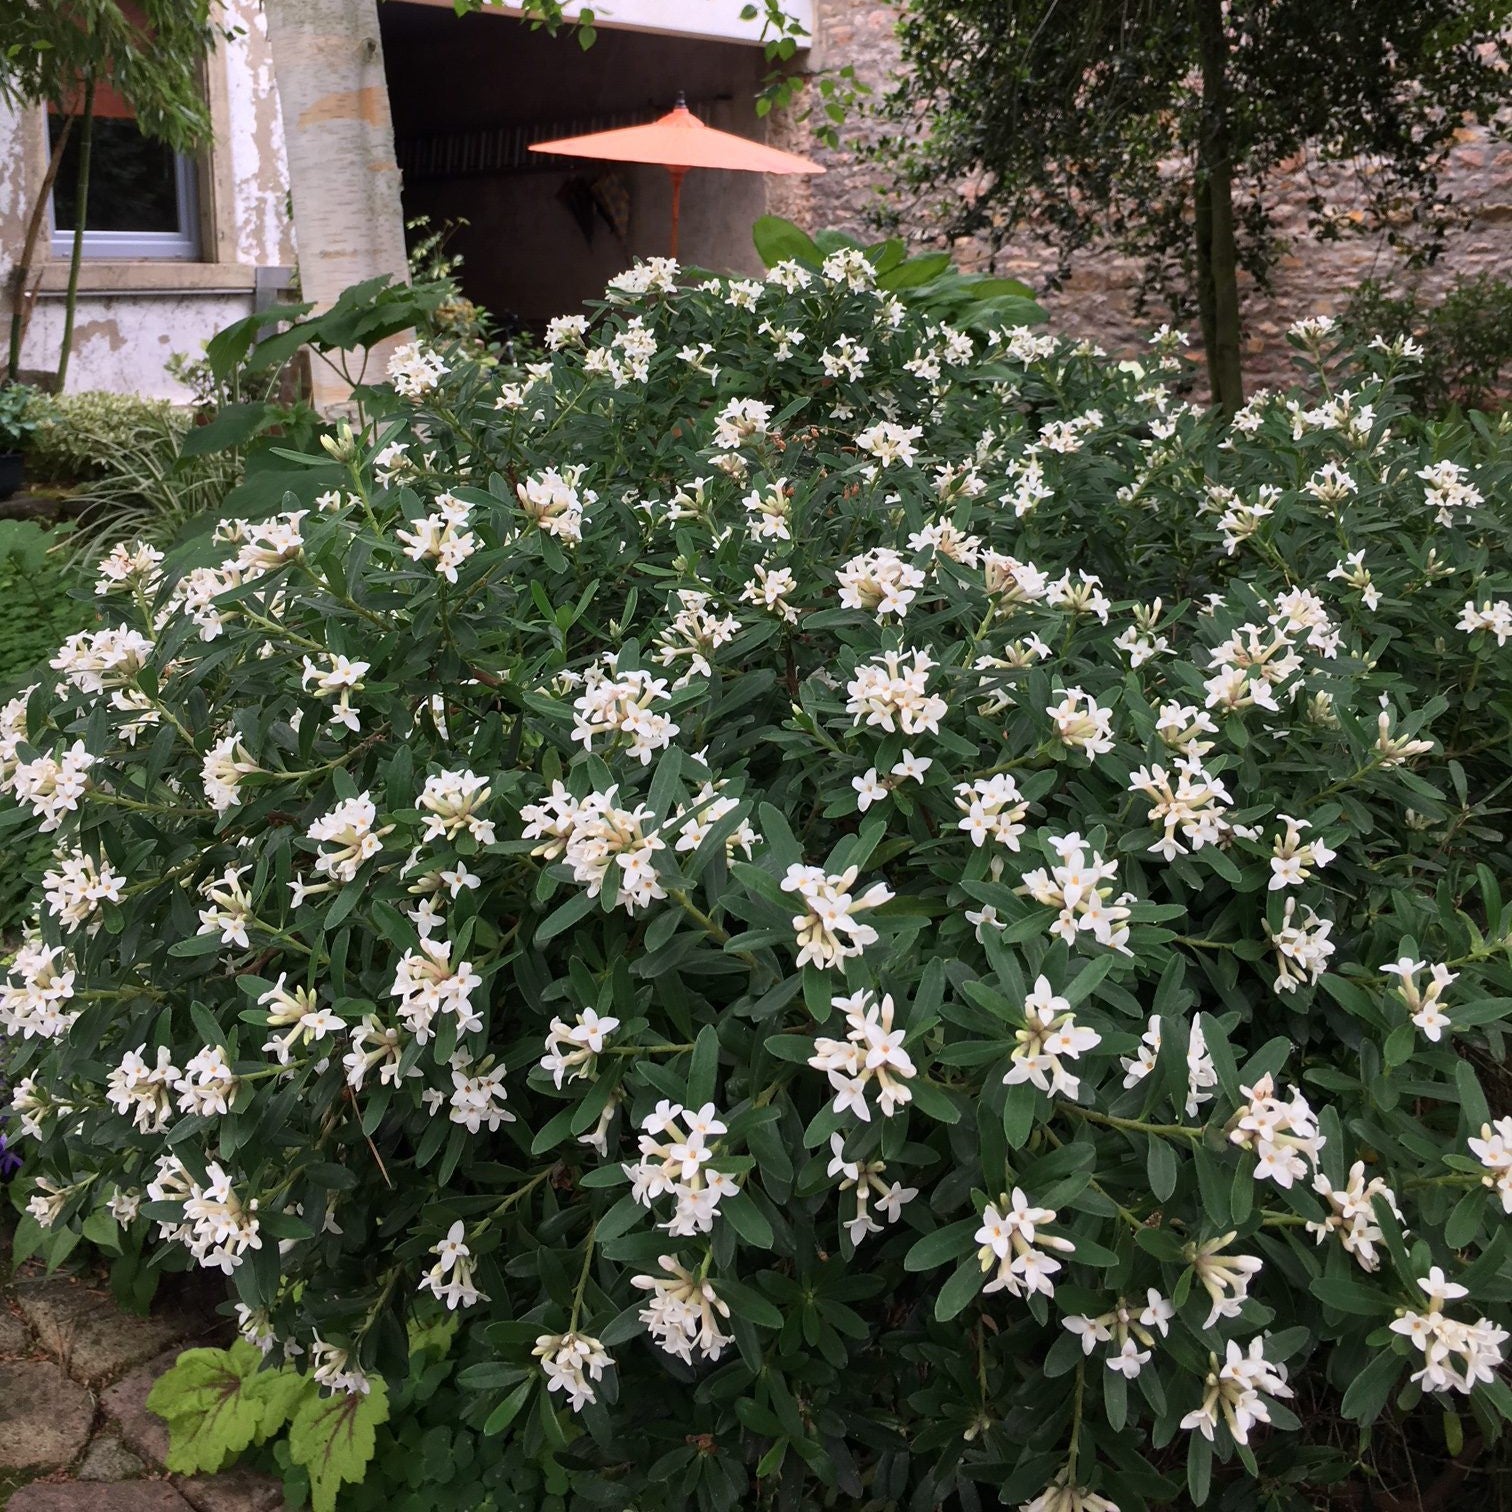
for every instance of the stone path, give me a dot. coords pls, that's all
(75, 1370)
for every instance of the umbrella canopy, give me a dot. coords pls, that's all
(677, 142)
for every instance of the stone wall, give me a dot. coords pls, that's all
(1098, 301)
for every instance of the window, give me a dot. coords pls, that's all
(142, 194)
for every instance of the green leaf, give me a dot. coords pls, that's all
(1350, 1296)
(1368, 1392)
(1161, 1168)
(211, 1415)
(333, 1438)
(778, 240)
(957, 1293)
(703, 1068)
(943, 1245)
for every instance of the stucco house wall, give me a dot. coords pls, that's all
(132, 315)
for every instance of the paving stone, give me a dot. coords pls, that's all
(125, 1404)
(71, 1496)
(108, 1459)
(87, 1331)
(47, 1416)
(15, 1337)
(235, 1490)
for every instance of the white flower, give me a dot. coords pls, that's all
(1073, 888)
(441, 537)
(571, 1361)
(1202, 1076)
(675, 1160)
(1352, 1213)
(893, 694)
(1050, 1035)
(554, 502)
(1010, 1239)
(828, 932)
(992, 809)
(890, 443)
(51, 786)
(1082, 723)
(602, 843)
(1441, 1338)
(427, 983)
(76, 885)
(739, 421)
(1225, 1278)
(1303, 948)
(1283, 1135)
(1424, 1005)
(452, 800)
(1487, 618)
(349, 827)
(871, 1052)
(1236, 1391)
(572, 1050)
(618, 706)
(879, 582)
(683, 1312)
(414, 370)
(1293, 860)
(1494, 1151)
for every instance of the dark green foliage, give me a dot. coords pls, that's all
(1466, 339)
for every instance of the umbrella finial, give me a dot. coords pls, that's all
(682, 100)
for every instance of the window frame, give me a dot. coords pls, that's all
(182, 245)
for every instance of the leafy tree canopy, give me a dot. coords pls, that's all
(1105, 122)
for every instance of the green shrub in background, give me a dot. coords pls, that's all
(1465, 339)
(884, 920)
(36, 615)
(79, 436)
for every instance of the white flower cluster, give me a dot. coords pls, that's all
(1063, 1494)
(740, 421)
(1193, 810)
(1448, 491)
(1126, 1329)
(865, 1178)
(1424, 1004)
(993, 809)
(572, 1050)
(349, 827)
(601, 842)
(1224, 1277)
(217, 1227)
(414, 370)
(1236, 1391)
(144, 1091)
(890, 443)
(675, 1156)
(1283, 1135)
(893, 694)
(1494, 1151)
(1294, 860)
(555, 500)
(441, 537)
(50, 785)
(295, 1010)
(1352, 1213)
(1050, 1034)
(872, 1051)
(870, 788)
(450, 1279)
(571, 1361)
(1202, 1076)
(230, 909)
(477, 1097)
(76, 884)
(94, 660)
(339, 680)
(332, 1368)
(1456, 1356)
(134, 566)
(451, 801)
(37, 989)
(879, 582)
(828, 932)
(1011, 1239)
(1081, 723)
(683, 1312)
(616, 704)
(427, 983)
(1073, 888)
(1302, 945)
(224, 766)
(1489, 618)
(695, 633)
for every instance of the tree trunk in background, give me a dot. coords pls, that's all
(21, 308)
(81, 218)
(339, 137)
(1217, 251)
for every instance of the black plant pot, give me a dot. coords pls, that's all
(12, 473)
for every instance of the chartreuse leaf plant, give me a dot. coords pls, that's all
(881, 917)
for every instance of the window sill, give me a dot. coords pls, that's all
(150, 276)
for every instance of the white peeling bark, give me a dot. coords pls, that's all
(339, 138)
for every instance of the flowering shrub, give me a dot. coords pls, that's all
(899, 920)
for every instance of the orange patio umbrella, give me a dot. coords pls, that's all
(677, 142)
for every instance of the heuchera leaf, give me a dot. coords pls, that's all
(333, 1438)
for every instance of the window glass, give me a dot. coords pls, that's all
(133, 181)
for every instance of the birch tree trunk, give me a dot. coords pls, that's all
(339, 139)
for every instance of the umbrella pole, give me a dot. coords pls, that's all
(677, 178)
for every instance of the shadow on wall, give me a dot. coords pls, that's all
(526, 248)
